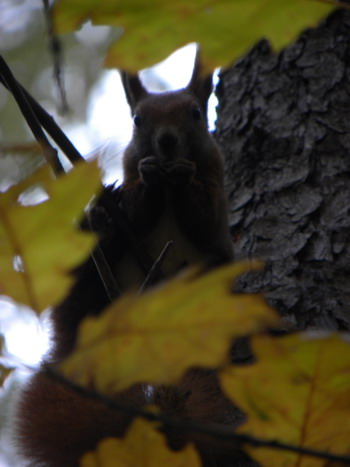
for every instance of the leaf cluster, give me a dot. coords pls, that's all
(297, 390)
(225, 29)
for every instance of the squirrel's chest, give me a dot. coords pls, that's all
(181, 252)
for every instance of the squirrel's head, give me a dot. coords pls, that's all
(172, 124)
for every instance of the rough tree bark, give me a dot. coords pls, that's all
(284, 124)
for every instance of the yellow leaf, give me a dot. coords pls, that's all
(188, 321)
(143, 446)
(40, 244)
(225, 30)
(298, 392)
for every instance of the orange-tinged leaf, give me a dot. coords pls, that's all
(40, 244)
(143, 446)
(225, 30)
(298, 392)
(188, 321)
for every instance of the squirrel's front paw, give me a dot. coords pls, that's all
(182, 172)
(150, 171)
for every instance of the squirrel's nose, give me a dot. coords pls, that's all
(167, 140)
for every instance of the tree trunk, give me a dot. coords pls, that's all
(284, 124)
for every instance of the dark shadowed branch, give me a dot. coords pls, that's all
(112, 289)
(46, 121)
(49, 152)
(153, 274)
(56, 50)
(172, 423)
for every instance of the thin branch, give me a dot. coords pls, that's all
(49, 152)
(173, 423)
(106, 275)
(56, 50)
(155, 270)
(31, 148)
(49, 124)
(136, 247)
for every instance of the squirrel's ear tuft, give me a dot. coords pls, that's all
(133, 88)
(200, 83)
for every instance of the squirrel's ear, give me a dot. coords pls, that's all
(133, 88)
(201, 84)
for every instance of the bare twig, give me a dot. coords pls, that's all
(172, 423)
(143, 258)
(49, 152)
(24, 148)
(49, 124)
(153, 274)
(112, 289)
(56, 50)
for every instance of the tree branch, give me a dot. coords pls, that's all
(49, 124)
(190, 425)
(153, 274)
(106, 275)
(49, 152)
(56, 50)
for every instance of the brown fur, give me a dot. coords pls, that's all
(57, 425)
(172, 190)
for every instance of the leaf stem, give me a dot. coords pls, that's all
(155, 270)
(56, 50)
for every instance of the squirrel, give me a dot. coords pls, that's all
(172, 190)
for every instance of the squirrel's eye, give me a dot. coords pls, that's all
(196, 113)
(137, 121)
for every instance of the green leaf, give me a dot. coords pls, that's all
(224, 28)
(40, 244)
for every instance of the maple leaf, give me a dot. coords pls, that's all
(151, 450)
(188, 321)
(40, 244)
(298, 392)
(225, 30)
